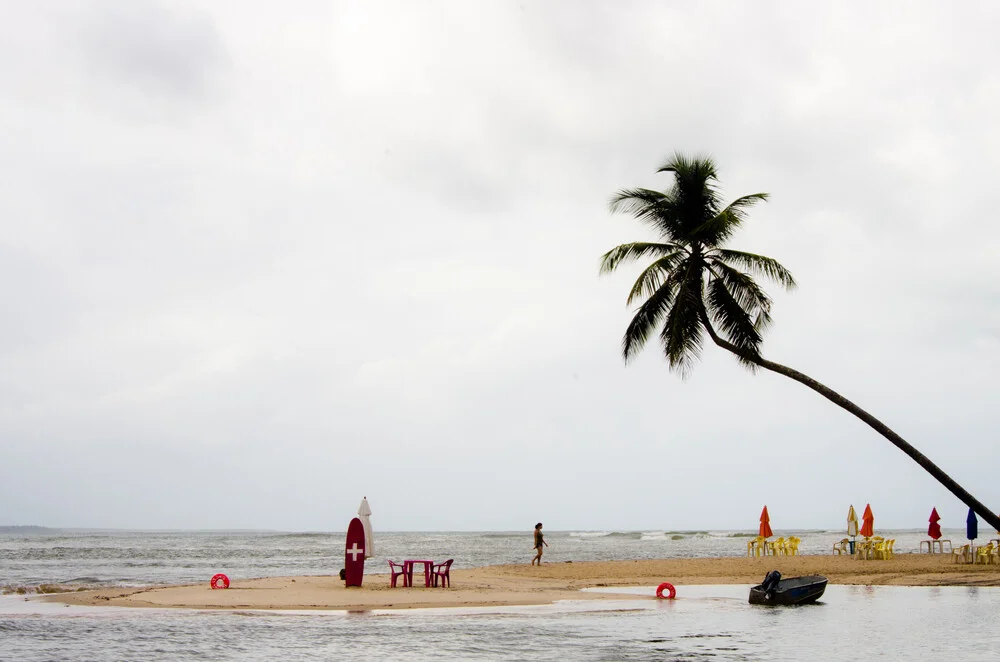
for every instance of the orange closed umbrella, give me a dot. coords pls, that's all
(765, 524)
(868, 525)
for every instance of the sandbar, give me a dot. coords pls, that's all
(511, 585)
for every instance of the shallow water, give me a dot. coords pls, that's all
(713, 622)
(705, 622)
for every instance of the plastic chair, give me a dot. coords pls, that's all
(757, 546)
(841, 547)
(777, 547)
(792, 546)
(883, 549)
(442, 571)
(985, 554)
(393, 574)
(961, 554)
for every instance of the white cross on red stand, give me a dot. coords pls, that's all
(354, 551)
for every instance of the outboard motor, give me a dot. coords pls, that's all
(770, 583)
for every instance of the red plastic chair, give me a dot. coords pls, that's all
(442, 571)
(396, 573)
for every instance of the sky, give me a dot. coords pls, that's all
(259, 260)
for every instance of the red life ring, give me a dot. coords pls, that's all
(670, 589)
(220, 581)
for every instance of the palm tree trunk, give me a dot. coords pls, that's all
(877, 425)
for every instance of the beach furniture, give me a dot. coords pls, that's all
(777, 546)
(867, 522)
(939, 543)
(442, 572)
(852, 527)
(757, 546)
(971, 529)
(409, 563)
(764, 530)
(883, 549)
(792, 546)
(962, 555)
(984, 555)
(394, 574)
(841, 547)
(865, 548)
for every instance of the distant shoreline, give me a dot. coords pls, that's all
(509, 585)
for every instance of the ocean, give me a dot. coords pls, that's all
(704, 623)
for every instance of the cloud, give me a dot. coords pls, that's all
(293, 255)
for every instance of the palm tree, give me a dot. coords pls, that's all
(696, 286)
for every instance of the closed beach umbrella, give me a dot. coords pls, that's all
(365, 513)
(765, 524)
(934, 530)
(868, 522)
(971, 526)
(852, 522)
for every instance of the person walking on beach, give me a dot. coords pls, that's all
(539, 542)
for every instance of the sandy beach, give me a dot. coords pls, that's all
(532, 585)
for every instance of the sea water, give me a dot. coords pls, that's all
(705, 622)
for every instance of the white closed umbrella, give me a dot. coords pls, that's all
(365, 513)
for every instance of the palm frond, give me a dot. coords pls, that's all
(682, 333)
(655, 276)
(628, 252)
(630, 200)
(702, 166)
(742, 287)
(733, 321)
(760, 265)
(652, 208)
(649, 315)
(716, 230)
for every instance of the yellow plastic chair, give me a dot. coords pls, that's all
(777, 547)
(883, 549)
(984, 555)
(756, 546)
(792, 546)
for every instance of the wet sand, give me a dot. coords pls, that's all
(531, 585)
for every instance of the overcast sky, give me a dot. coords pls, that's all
(258, 260)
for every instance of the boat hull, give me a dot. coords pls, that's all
(790, 592)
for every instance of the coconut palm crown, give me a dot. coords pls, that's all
(696, 285)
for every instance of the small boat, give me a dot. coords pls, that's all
(792, 591)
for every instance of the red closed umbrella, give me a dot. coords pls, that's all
(868, 525)
(765, 524)
(934, 530)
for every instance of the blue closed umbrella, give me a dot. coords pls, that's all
(971, 526)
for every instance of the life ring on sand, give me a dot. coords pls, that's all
(220, 581)
(670, 589)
